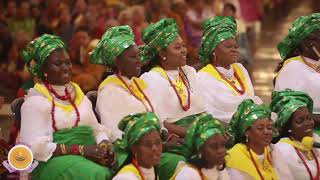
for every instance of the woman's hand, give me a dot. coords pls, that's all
(109, 158)
(94, 152)
(173, 142)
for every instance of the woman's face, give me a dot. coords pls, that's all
(58, 68)
(175, 54)
(226, 53)
(260, 133)
(214, 150)
(148, 149)
(302, 124)
(128, 63)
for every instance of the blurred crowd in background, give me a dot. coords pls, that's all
(81, 23)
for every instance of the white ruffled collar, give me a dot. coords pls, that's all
(214, 173)
(227, 73)
(148, 173)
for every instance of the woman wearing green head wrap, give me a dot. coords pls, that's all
(224, 83)
(252, 157)
(122, 93)
(172, 86)
(205, 150)
(140, 148)
(300, 68)
(170, 77)
(296, 126)
(57, 120)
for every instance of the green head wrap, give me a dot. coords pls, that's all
(247, 113)
(216, 30)
(158, 36)
(38, 50)
(199, 132)
(134, 127)
(286, 102)
(301, 28)
(113, 42)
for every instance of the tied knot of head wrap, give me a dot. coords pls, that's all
(37, 52)
(157, 36)
(112, 44)
(247, 113)
(286, 102)
(301, 28)
(216, 30)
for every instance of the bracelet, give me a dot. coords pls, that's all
(63, 149)
(81, 147)
(75, 149)
(104, 145)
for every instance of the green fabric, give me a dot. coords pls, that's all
(187, 121)
(134, 127)
(200, 131)
(286, 102)
(168, 165)
(247, 113)
(157, 36)
(300, 29)
(70, 167)
(81, 135)
(112, 44)
(38, 50)
(216, 30)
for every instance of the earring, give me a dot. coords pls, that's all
(164, 58)
(200, 156)
(247, 139)
(45, 76)
(289, 131)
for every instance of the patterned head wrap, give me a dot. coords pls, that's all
(158, 36)
(216, 30)
(301, 28)
(286, 102)
(113, 42)
(134, 127)
(247, 113)
(38, 50)
(199, 132)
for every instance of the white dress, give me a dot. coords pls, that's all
(297, 75)
(36, 123)
(189, 173)
(297, 169)
(164, 98)
(222, 102)
(114, 103)
(147, 173)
